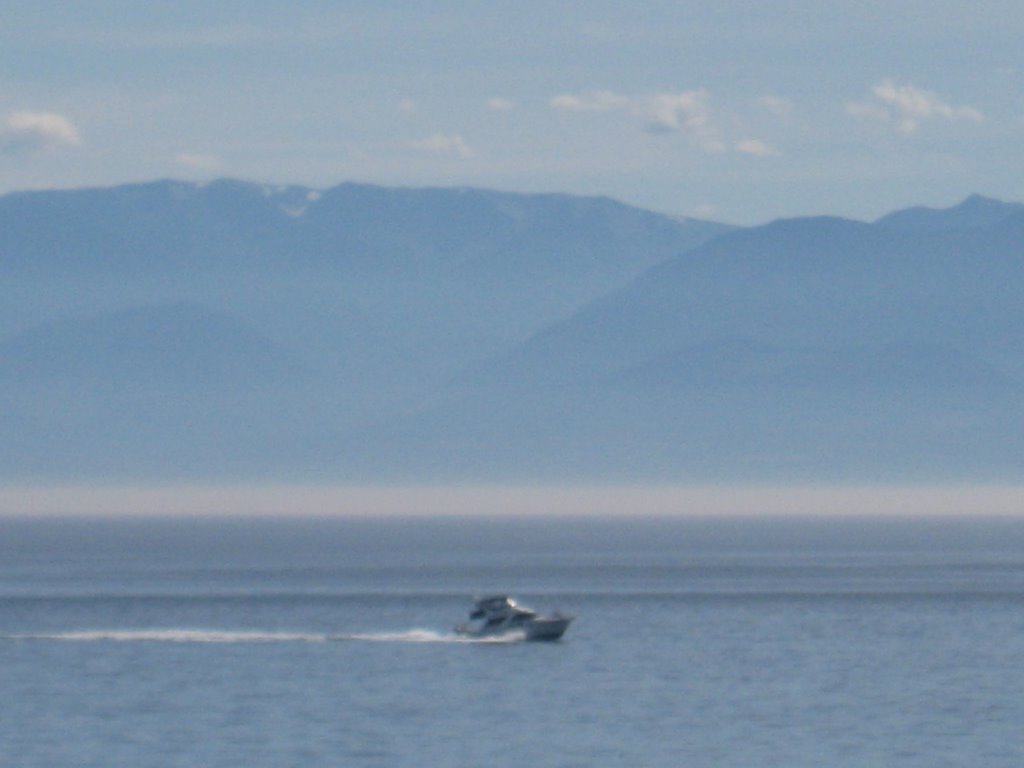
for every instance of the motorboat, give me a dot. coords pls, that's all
(499, 615)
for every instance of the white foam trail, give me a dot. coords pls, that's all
(424, 636)
(177, 636)
(227, 636)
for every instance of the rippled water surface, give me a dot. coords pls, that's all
(696, 643)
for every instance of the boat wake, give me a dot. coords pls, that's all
(247, 636)
(426, 636)
(174, 636)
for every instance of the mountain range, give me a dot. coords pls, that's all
(237, 331)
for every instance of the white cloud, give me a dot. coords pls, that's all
(444, 144)
(906, 107)
(408, 106)
(595, 101)
(757, 148)
(499, 104)
(26, 132)
(686, 112)
(197, 161)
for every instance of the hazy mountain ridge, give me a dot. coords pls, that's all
(802, 348)
(976, 212)
(171, 345)
(360, 332)
(178, 225)
(354, 273)
(340, 307)
(820, 281)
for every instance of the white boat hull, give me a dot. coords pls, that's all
(548, 628)
(540, 628)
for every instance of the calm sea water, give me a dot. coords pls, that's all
(328, 643)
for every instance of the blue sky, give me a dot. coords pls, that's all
(730, 110)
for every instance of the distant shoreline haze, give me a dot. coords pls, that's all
(497, 502)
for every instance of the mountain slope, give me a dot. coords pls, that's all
(174, 345)
(976, 212)
(801, 282)
(804, 348)
(158, 391)
(410, 281)
(273, 321)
